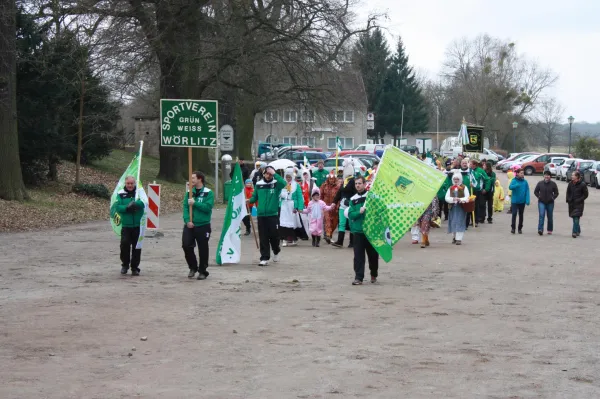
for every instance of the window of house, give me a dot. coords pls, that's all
(347, 143)
(271, 116)
(307, 116)
(309, 141)
(290, 116)
(340, 116)
(289, 140)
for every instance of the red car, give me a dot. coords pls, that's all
(536, 165)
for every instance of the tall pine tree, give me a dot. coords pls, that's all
(372, 58)
(400, 87)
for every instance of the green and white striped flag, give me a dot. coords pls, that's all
(338, 144)
(230, 244)
(115, 218)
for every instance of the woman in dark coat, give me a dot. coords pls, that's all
(577, 193)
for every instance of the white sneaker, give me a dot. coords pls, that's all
(284, 244)
(263, 263)
(276, 257)
(292, 244)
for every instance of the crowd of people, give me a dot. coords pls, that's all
(290, 208)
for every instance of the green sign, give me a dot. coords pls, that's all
(475, 135)
(189, 123)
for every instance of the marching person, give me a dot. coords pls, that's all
(131, 212)
(356, 214)
(488, 197)
(291, 203)
(197, 231)
(424, 221)
(328, 191)
(255, 170)
(546, 192)
(316, 208)
(258, 175)
(498, 197)
(266, 195)
(577, 193)
(248, 190)
(320, 175)
(510, 176)
(342, 198)
(457, 193)
(520, 197)
(480, 185)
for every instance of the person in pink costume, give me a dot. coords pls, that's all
(316, 210)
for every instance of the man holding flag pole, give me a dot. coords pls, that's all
(128, 207)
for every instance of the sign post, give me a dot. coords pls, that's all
(226, 136)
(191, 124)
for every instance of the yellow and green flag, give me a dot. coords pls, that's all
(403, 189)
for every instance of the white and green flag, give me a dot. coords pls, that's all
(115, 218)
(230, 244)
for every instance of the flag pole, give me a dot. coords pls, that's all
(252, 224)
(137, 195)
(191, 188)
(337, 151)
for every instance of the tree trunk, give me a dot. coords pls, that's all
(80, 131)
(52, 168)
(11, 179)
(244, 135)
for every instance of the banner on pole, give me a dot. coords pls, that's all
(230, 244)
(402, 190)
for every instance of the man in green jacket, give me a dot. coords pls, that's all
(267, 192)
(320, 174)
(480, 185)
(131, 211)
(356, 213)
(197, 229)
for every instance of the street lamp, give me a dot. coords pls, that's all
(570, 119)
(515, 124)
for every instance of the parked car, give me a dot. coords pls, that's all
(329, 164)
(411, 149)
(519, 160)
(371, 148)
(346, 153)
(581, 166)
(553, 165)
(298, 157)
(512, 158)
(590, 176)
(536, 165)
(561, 173)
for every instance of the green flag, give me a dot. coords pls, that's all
(230, 244)
(403, 189)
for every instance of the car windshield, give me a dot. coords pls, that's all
(558, 161)
(528, 158)
(585, 165)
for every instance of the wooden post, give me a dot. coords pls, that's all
(191, 187)
(249, 210)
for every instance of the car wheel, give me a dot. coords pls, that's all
(529, 171)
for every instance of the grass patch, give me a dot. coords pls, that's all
(55, 204)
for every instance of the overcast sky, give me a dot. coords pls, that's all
(561, 35)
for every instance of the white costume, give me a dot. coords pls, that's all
(287, 217)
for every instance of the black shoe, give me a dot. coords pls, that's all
(540, 232)
(490, 222)
(201, 276)
(512, 231)
(192, 273)
(247, 233)
(318, 244)
(124, 270)
(327, 239)
(357, 282)
(520, 231)
(574, 235)
(135, 272)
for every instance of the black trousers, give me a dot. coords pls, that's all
(246, 221)
(362, 245)
(268, 233)
(190, 237)
(479, 207)
(129, 255)
(489, 204)
(443, 209)
(517, 209)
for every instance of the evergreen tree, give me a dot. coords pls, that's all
(372, 58)
(400, 87)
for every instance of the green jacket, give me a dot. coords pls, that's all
(129, 219)
(321, 176)
(492, 182)
(441, 194)
(479, 180)
(268, 195)
(356, 218)
(202, 208)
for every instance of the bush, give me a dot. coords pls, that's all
(93, 190)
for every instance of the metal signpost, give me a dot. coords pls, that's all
(226, 135)
(191, 124)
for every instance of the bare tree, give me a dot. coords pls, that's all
(547, 122)
(11, 180)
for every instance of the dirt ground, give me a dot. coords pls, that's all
(503, 316)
